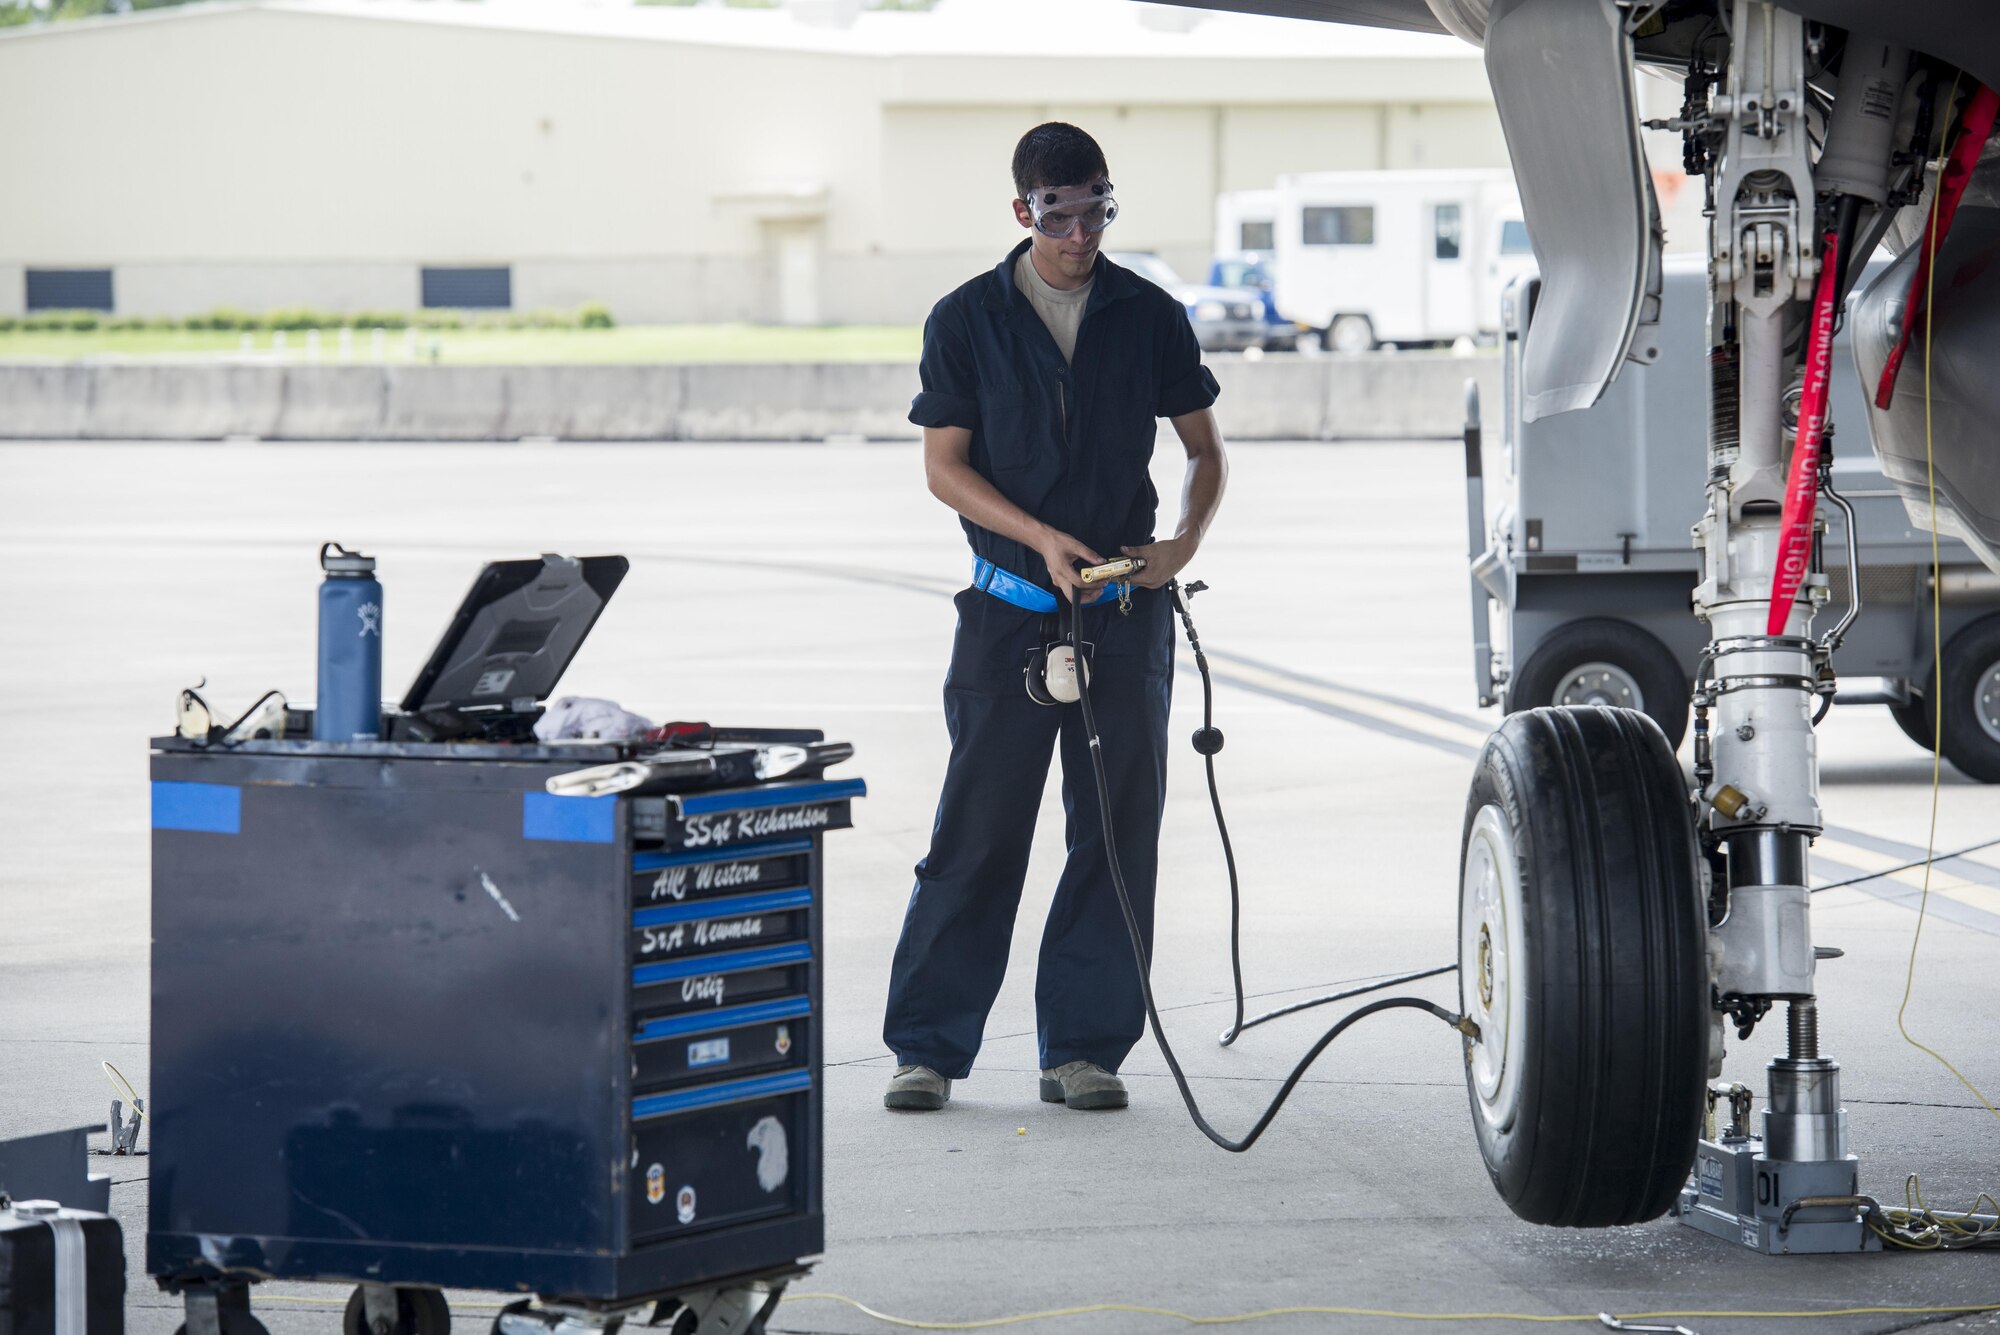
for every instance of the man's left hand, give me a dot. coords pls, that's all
(1163, 561)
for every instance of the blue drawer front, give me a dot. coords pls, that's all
(663, 879)
(728, 1017)
(715, 1096)
(745, 1048)
(733, 906)
(713, 1165)
(734, 961)
(656, 861)
(770, 795)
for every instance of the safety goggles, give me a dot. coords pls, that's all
(1059, 210)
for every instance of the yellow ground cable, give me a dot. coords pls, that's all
(123, 1087)
(1379, 1313)
(1967, 1309)
(1937, 634)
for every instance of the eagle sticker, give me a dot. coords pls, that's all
(774, 1160)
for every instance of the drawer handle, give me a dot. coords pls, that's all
(734, 961)
(775, 795)
(741, 853)
(716, 1096)
(763, 1012)
(737, 906)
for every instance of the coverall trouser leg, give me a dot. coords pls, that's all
(952, 955)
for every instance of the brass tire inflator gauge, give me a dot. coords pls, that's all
(1123, 566)
(1208, 741)
(1051, 670)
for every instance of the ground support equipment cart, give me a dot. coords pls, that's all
(420, 1024)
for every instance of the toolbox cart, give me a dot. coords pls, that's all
(421, 1023)
(1582, 563)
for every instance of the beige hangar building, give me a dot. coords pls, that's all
(810, 163)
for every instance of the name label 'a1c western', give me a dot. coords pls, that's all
(676, 882)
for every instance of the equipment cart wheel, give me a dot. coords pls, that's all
(736, 1310)
(230, 1302)
(1583, 960)
(415, 1312)
(1604, 661)
(1972, 703)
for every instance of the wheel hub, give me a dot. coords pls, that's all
(1485, 970)
(1490, 944)
(1986, 701)
(1599, 684)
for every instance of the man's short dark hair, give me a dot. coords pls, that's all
(1056, 154)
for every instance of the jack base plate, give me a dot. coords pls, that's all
(1742, 1196)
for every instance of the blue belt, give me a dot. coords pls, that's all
(1011, 588)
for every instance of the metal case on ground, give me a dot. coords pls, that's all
(62, 1272)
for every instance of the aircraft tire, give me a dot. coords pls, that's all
(1583, 959)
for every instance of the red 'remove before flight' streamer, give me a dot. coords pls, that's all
(1802, 487)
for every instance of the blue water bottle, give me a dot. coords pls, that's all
(350, 648)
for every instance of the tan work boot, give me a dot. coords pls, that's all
(917, 1089)
(1083, 1085)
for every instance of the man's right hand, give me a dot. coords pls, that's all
(1063, 554)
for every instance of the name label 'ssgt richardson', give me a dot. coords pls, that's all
(744, 826)
(729, 819)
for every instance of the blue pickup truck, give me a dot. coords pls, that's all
(1252, 269)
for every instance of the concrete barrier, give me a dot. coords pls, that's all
(1387, 396)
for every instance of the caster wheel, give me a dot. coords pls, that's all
(232, 1311)
(1583, 960)
(673, 1317)
(418, 1312)
(732, 1311)
(234, 1323)
(514, 1319)
(1604, 661)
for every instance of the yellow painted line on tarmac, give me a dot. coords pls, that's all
(1413, 719)
(1969, 893)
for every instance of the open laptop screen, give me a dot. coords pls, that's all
(515, 633)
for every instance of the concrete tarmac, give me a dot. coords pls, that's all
(809, 585)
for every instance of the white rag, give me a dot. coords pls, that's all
(584, 717)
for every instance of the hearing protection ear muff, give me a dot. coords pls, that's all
(1051, 670)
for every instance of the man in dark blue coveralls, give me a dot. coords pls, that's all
(1042, 381)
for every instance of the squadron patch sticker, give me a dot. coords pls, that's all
(684, 1205)
(784, 1043)
(656, 1184)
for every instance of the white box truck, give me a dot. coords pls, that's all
(1392, 257)
(1244, 223)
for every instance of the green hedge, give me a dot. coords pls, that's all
(590, 315)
